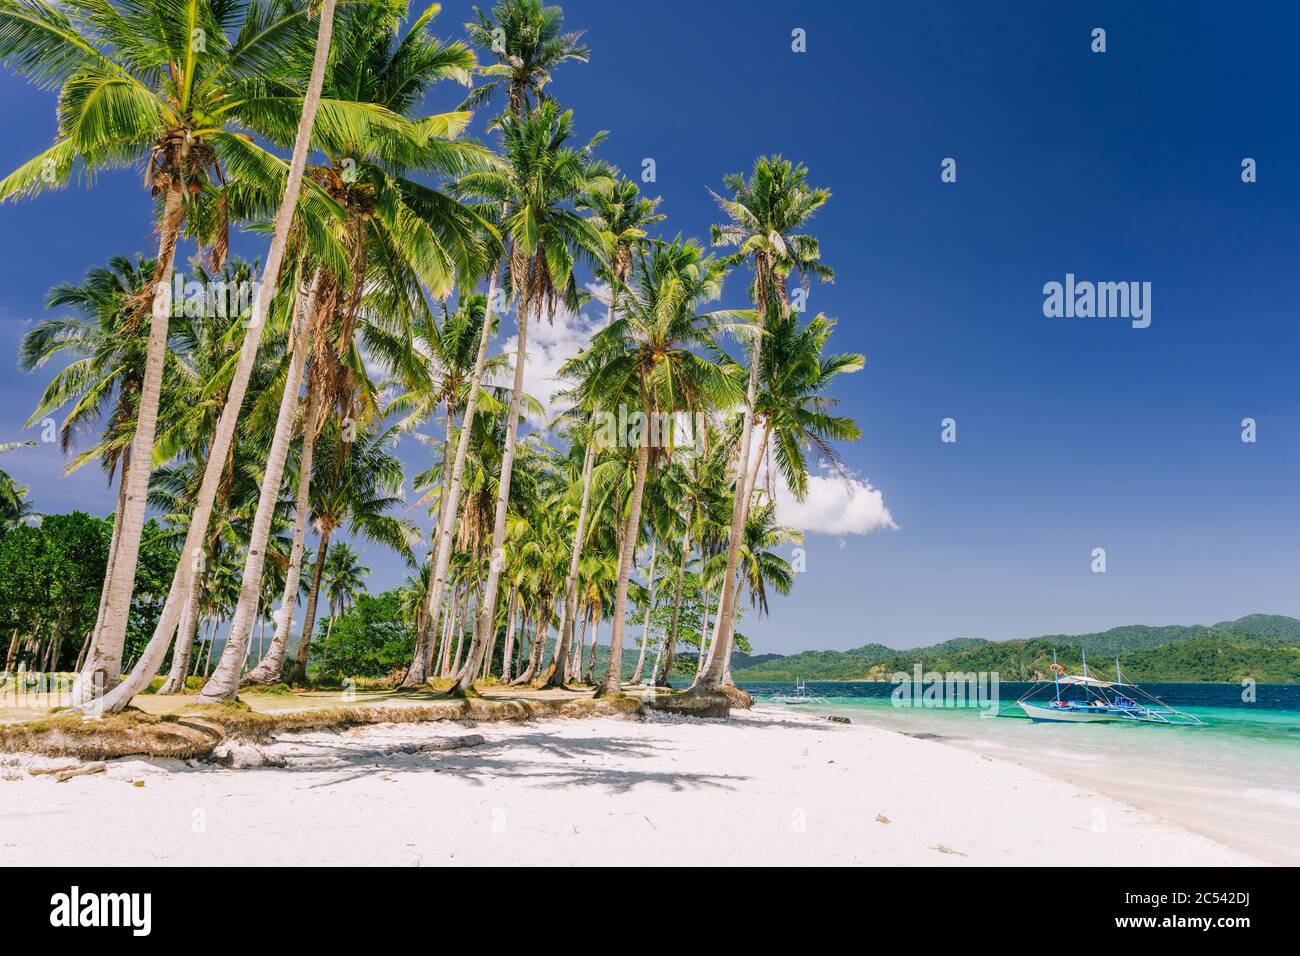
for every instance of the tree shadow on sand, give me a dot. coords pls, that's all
(518, 757)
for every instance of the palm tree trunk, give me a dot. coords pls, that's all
(613, 681)
(589, 676)
(717, 629)
(488, 611)
(329, 632)
(752, 481)
(104, 666)
(309, 620)
(711, 676)
(212, 639)
(568, 612)
(512, 618)
(453, 618)
(418, 672)
(645, 631)
(145, 668)
(539, 643)
(425, 641)
(270, 669)
(225, 681)
(704, 634)
(670, 639)
(575, 668)
(175, 683)
(118, 509)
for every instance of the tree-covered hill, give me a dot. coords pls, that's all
(1264, 647)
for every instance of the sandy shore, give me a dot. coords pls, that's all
(762, 788)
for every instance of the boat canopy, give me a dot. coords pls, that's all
(1088, 681)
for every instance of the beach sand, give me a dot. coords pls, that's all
(764, 787)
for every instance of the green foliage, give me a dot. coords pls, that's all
(370, 640)
(1257, 646)
(51, 575)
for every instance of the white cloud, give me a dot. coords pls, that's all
(550, 345)
(835, 504)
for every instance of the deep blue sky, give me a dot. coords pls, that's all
(1073, 434)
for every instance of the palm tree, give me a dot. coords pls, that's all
(385, 237)
(443, 378)
(527, 40)
(644, 360)
(620, 216)
(223, 437)
(764, 212)
(105, 377)
(356, 484)
(163, 85)
(545, 236)
(792, 403)
(760, 567)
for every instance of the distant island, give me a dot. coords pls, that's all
(1263, 647)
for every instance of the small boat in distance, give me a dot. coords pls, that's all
(1088, 700)
(801, 695)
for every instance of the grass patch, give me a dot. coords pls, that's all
(196, 729)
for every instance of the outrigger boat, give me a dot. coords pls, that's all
(801, 695)
(1089, 700)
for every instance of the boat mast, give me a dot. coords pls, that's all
(1056, 678)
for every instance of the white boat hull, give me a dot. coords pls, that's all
(1045, 714)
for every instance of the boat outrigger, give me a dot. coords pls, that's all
(1089, 700)
(801, 695)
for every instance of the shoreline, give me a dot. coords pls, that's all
(764, 787)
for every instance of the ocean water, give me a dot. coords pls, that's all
(1236, 780)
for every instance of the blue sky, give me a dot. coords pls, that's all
(1073, 434)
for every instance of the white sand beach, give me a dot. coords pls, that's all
(765, 787)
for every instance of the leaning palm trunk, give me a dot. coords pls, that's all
(645, 631)
(104, 664)
(271, 668)
(225, 681)
(488, 612)
(575, 667)
(313, 599)
(175, 683)
(589, 676)
(704, 634)
(670, 639)
(511, 618)
(118, 509)
(453, 619)
(418, 672)
(147, 666)
(711, 676)
(613, 680)
(568, 612)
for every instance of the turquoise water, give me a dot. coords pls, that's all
(1237, 779)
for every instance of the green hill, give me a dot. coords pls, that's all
(1264, 647)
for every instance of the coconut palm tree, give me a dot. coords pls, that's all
(526, 38)
(792, 405)
(644, 361)
(223, 436)
(620, 215)
(765, 213)
(387, 240)
(545, 237)
(162, 85)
